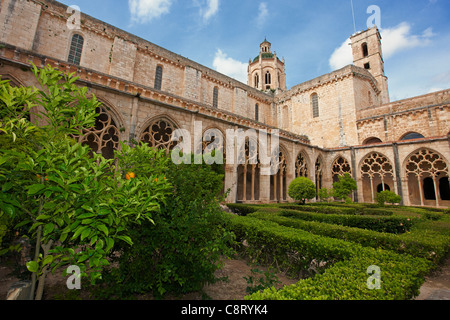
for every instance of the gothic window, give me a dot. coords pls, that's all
(256, 80)
(278, 182)
(412, 136)
(367, 66)
(256, 112)
(216, 97)
(318, 174)
(103, 137)
(365, 49)
(301, 167)
(248, 173)
(315, 105)
(159, 135)
(76, 48)
(377, 175)
(426, 170)
(158, 77)
(340, 168)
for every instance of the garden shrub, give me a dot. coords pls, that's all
(183, 249)
(302, 189)
(429, 245)
(387, 196)
(344, 278)
(344, 187)
(241, 209)
(391, 224)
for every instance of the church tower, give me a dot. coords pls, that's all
(367, 54)
(266, 71)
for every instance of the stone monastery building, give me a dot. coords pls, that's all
(339, 122)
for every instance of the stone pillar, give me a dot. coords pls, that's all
(398, 175)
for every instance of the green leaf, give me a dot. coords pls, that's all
(49, 227)
(32, 266)
(127, 239)
(47, 260)
(35, 188)
(85, 233)
(103, 228)
(42, 217)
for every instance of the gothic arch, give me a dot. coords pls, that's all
(157, 132)
(248, 172)
(278, 182)
(377, 173)
(218, 141)
(427, 173)
(104, 137)
(340, 166)
(302, 165)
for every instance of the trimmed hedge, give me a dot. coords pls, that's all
(392, 224)
(340, 210)
(424, 244)
(241, 209)
(346, 278)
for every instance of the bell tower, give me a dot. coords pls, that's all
(267, 71)
(367, 54)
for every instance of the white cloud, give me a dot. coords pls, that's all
(400, 38)
(230, 67)
(342, 56)
(143, 11)
(394, 40)
(209, 10)
(263, 14)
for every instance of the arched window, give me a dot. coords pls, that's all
(412, 136)
(216, 97)
(377, 174)
(159, 135)
(103, 137)
(256, 112)
(426, 170)
(372, 140)
(301, 167)
(256, 80)
(268, 78)
(248, 173)
(340, 168)
(76, 48)
(158, 77)
(315, 105)
(365, 49)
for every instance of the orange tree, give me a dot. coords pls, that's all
(74, 205)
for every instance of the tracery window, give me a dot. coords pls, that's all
(159, 135)
(340, 167)
(426, 171)
(103, 137)
(378, 172)
(301, 167)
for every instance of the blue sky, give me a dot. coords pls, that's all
(310, 35)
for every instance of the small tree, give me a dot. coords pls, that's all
(302, 189)
(388, 197)
(344, 187)
(326, 194)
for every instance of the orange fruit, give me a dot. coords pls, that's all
(132, 175)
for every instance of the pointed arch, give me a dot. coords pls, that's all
(104, 136)
(377, 174)
(425, 170)
(301, 165)
(248, 184)
(340, 167)
(158, 133)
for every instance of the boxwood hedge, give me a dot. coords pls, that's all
(342, 247)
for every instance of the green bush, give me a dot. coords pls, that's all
(344, 187)
(182, 251)
(391, 224)
(241, 209)
(345, 275)
(387, 196)
(302, 189)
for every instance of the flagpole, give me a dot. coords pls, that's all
(353, 14)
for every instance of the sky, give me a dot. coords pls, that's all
(312, 36)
